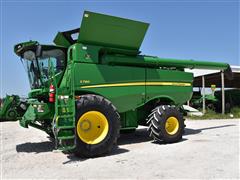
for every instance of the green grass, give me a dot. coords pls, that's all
(235, 113)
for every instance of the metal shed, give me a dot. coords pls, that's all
(205, 78)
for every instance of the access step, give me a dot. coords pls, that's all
(66, 137)
(65, 106)
(65, 116)
(66, 127)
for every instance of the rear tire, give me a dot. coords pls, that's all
(166, 124)
(97, 126)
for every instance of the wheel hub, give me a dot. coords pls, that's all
(92, 127)
(172, 125)
(85, 125)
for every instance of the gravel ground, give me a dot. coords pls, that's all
(209, 149)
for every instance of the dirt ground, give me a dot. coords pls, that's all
(209, 149)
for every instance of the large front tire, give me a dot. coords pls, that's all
(97, 126)
(166, 124)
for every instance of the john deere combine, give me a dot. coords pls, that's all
(12, 108)
(94, 82)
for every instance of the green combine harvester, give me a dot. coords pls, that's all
(94, 82)
(13, 108)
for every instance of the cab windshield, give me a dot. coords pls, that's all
(38, 67)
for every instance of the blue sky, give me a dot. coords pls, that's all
(201, 30)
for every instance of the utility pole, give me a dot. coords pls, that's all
(223, 93)
(203, 95)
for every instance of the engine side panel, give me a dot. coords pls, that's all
(172, 84)
(123, 86)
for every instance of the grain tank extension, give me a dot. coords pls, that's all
(94, 82)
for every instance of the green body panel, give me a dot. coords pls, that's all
(104, 30)
(94, 74)
(169, 91)
(129, 119)
(84, 53)
(126, 87)
(61, 40)
(38, 111)
(29, 116)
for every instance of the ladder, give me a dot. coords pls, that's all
(65, 121)
(63, 124)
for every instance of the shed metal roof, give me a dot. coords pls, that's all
(214, 77)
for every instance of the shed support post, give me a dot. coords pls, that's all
(223, 93)
(203, 95)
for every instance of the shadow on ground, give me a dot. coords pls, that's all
(72, 158)
(139, 136)
(36, 147)
(196, 131)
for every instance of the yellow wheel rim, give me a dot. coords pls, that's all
(172, 125)
(92, 127)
